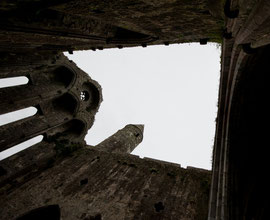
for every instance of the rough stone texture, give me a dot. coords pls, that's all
(89, 183)
(239, 189)
(27, 162)
(73, 25)
(95, 185)
(67, 99)
(86, 183)
(124, 140)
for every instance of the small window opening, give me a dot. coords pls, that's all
(2, 171)
(84, 96)
(13, 81)
(51, 212)
(17, 115)
(63, 75)
(20, 147)
(84, 181)
(137, 135)
(159, 207)
(91, 90)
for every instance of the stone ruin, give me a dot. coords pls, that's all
(63, 178)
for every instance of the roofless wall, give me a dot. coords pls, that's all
(60, 176)
(40, 29)
(76, 25)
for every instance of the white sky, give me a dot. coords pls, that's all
(172, 90)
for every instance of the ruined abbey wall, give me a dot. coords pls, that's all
(75, 25)
(66, 98)
(61, 173)
(90, 183)
(64, 178)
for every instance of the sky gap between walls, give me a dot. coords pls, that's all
(172, 89)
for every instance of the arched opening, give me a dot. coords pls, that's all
(76, 128)
(51, 212)
(13, 81)
(17, 115)
(62, 75)
(65, 103)
(84, 96)
(19, 147)
(90, 94)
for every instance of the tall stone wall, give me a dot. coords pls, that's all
(91, 184)
(76, 25)
(240, 159)
(65, 97)
(98, 184)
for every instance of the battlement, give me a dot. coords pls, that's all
(162, 162)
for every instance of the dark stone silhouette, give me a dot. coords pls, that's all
(105, 182)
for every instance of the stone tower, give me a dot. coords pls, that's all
(124, 140)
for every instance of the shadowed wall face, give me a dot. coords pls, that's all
(86, 183)
(51, 212)
(80, 25)
(90, 183)
(239, 188)
(54, 89)
(91, 179)
(249, 157)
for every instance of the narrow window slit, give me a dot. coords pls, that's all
(13, 81)
(17, 115)
(84, 96)
(19, 147)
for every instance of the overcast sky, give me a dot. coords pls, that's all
(172, 90)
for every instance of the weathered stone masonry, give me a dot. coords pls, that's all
(63, 178)
(55, 88)
(119, 186)
(124, 141)
(90, 183)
